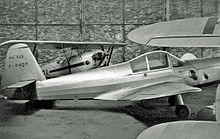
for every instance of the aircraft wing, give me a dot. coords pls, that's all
(191, 32)
(204, 40)
(65, 44)
(159, 90)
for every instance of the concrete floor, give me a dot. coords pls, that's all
(94, 119)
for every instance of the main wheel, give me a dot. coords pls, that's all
(182, 111)
(43, 104)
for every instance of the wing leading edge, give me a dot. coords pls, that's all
(148, 92)
(66, 44)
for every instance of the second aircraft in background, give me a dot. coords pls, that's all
(76, 56)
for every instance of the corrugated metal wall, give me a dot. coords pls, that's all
(92, 20)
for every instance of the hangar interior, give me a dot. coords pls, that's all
(96, 20)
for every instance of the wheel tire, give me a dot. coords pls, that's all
(171, 100)
(44, 104)
(182, 111)
(48, 104)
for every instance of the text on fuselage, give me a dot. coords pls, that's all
(18, 65)
(16, 57)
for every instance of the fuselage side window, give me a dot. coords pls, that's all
(139, 64)
(157, 60)
(175, 62)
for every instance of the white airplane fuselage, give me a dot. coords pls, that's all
(152, 75)
(87, 85)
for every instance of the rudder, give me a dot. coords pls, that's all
(20, 65)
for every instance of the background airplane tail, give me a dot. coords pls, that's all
(21, 71)
(217, 104)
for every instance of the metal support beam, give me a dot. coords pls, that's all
(82, 21)
(36, 19)
(167, 10)
(123, 28)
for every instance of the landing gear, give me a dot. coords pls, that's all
(182, 111)
(175, 100)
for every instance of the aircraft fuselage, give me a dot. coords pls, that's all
(87, 85)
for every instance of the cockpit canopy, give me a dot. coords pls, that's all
(155, 60)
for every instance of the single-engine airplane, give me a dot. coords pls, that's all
(73, 60)
(151, 75)
(186, 129)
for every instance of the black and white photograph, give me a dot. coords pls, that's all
(109, 69)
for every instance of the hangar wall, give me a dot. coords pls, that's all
(92, 20)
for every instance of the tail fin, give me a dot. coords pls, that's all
(20, 65)
(217, 104)
(188, 56)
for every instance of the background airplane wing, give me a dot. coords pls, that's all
(65, 44)
(148, 92)
(192, 32)
(190, 26)
(203, 40)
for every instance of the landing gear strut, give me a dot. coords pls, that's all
(182, 111)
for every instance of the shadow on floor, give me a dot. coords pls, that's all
(149, 112)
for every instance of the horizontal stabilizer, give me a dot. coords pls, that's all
(148, 91)
(17, 101)
(211, 107)
(19, 84)
(24, 90)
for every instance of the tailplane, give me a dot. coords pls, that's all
(21, 71)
